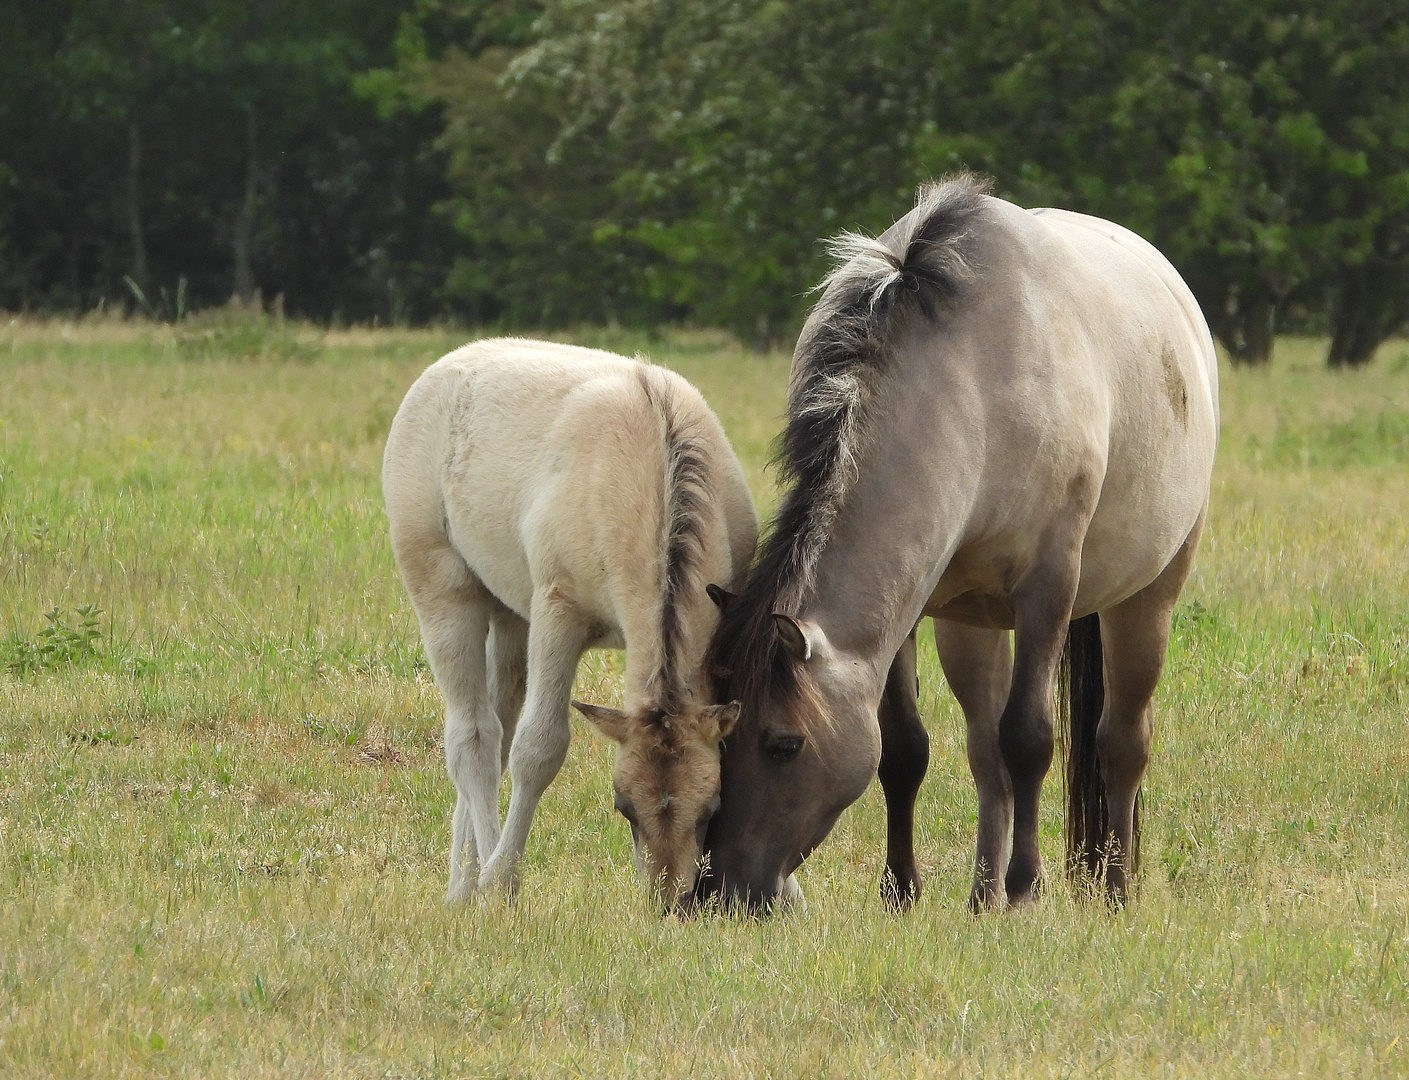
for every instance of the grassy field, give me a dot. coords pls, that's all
(224, 815)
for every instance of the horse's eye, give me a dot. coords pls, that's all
(711, 808)
(624, 809)
(783, 747)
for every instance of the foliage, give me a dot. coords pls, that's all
(559, 162)
(183, 144)
(235, 330)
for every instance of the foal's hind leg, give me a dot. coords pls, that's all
(1134, 638)
(905, 755)
(978, 666)
(508, 670)
(556, 638)
(454, 611)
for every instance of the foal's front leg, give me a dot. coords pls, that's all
(556, 637)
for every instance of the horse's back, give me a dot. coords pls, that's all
(1091, 384)
(1157, 370)
(543, 463)
(1141, 273)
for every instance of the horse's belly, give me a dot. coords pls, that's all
(985, 610)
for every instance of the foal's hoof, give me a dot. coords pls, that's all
(461, 892)
(500, 879)
(790, 896)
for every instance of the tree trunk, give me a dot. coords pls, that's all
(1370, 306)
(134, 206)
(244, 221)
(1246, 325)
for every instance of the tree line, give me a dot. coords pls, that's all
(532, 164)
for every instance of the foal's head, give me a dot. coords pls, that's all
(667, 785)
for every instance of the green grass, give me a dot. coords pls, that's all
(224, 816)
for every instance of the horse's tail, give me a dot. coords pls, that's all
(1082, 699)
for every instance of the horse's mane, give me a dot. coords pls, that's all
(687, 498)
(918, 265)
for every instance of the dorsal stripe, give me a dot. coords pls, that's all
(687, 499)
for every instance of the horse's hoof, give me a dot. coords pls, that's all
(1024, 898)
(900, 891)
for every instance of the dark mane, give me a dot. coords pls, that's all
(917, 266)
(687, 496)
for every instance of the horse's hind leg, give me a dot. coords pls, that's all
(556, 638)
(1134, 638)
(454, 611)
(978, 667)
(905, 755)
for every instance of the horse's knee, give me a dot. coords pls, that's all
(1027, 744)
(468, 743)
(1123, 748)
(538, 746)
(905, 757)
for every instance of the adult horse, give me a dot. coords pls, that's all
(1004, 419)
(544, 499)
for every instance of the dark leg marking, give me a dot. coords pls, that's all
(905, 755)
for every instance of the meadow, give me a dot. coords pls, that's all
(224, 813)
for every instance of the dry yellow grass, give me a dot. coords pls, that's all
(222, 830)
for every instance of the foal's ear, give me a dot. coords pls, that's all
(610, 722)
(724, 717)
(793, 636)
(722, 597)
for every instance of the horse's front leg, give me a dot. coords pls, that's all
(905, 755)
(978, 665)
(1042, 609)
(556, 637)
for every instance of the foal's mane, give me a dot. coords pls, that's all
(874, 283)
(687, 497)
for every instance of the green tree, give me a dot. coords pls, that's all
(746, 131)
(217, 143)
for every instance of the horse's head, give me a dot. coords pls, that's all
(667, 785)
(805, 747)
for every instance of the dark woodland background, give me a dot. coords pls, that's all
(519, 164)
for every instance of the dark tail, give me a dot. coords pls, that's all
(1083, 697)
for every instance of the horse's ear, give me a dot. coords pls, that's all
(793, 636)
(610, 722)
(723, 716)
(722, 597)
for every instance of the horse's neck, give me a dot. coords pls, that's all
(900, 523)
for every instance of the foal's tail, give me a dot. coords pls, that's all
(1083, 698)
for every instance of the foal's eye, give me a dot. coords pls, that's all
(783, 747)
